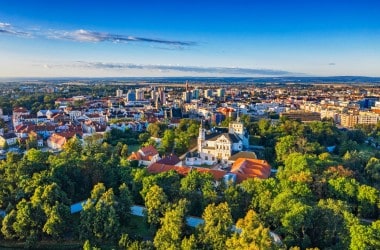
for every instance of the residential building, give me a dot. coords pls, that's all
(17, 113)
(8, 139)
(302, 116)
(57, 140)
(145, 156)
(119, 93)
(348, 120)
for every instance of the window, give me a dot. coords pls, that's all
(206, 158)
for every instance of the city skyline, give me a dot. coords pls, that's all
(164, 39)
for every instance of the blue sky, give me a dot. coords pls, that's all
(189, 38)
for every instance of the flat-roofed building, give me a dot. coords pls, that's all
(302, 116)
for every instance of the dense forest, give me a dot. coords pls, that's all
(319, 198)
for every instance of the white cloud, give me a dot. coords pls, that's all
(125, 67)
(4, 25)
(82, 35)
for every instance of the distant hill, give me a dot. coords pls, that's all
(232, 80)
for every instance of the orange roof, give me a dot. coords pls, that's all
(134, 156)
(57, 139)
(246, 168)
(148, 152)
(145, 154)
(20, 110)
(157, 168)
(225, 110)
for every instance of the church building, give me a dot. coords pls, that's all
(218, 145)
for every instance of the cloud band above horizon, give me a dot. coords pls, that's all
(174, 68)
(82, 35)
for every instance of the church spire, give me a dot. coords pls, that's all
(201, 137)
(238, 115)
(201, 131)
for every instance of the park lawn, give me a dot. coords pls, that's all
(139, 229)
(365, 147)
(133, 148)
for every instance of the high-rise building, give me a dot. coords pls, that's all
(208, 93)
(221, 92)
(195, 94)
(186, 96)
(119, 93)
(153, 94)
(131, 95)
(162, 95)
(139, 94)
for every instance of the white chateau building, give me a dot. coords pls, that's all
(218, 146)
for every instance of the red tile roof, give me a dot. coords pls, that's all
(245, 168)
(20, 110)
(145, 154)
(148, 152)
(169, 160)
(61, 138)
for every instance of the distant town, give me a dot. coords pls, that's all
(77, 108)
(135, 156)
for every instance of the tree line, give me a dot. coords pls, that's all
(317, 199)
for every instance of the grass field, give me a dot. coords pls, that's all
(138, 228)
(133, 148)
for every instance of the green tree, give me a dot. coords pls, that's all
(369, 201)
(143, 137)
(189, 243)
(124, 203)
(7, 225)
(365, 237)
(57, 221)
(296, 222)
(226, 122)
(170, 233)
(330, 230)
(234, 196)
(153, 129)
(73, 146)
(99, 220)
(291, 144)
(298, 167)
(168, 140)
(155, 203)
(259, 195)
(181, 143)
(251, 234)
(198, 188)
(264, 126)
(372, 170)
(217, 226)
(345, 189)
(29, 222)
